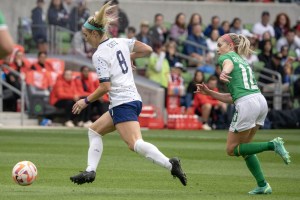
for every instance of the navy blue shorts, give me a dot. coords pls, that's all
(126, 112)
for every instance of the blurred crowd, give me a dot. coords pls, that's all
(184, 54)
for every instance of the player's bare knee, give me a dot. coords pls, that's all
(230, 151)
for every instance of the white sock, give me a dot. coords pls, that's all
(152, 153)
(95, 150)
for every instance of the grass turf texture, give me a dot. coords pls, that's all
(123, 174)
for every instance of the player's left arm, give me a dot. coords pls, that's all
(140, 50)
(227, 67)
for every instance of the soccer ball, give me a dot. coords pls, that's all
(24, 173)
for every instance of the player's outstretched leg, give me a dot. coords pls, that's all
(84, 177)
(94, 156)
(280, 150)
(152, 153)
(176, 171)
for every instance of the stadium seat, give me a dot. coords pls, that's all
(38, 102)
(64, 41)
(295, 65)
(206, 76)
(258, 66)
(187, 77)
(292, 53)
(168, 25)
(248, 26)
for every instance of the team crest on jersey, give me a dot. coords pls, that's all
(112, 44)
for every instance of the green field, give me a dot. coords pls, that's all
(123, 174)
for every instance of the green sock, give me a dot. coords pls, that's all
(254, 167)
(253, 148)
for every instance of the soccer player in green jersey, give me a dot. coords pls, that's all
(251, 108)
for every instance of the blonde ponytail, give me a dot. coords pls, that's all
(243, 47)
(241, 43)
(103, 17)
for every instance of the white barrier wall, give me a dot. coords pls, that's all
(138, 10)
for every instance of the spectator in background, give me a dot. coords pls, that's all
(263, 26)
(195, 19)
(266, 36)
(198, 79)
(159, 32)
(284, 53)
(6, 41)
(281, 25)
(266, 56)
(131, 33)
(178, 29)
(288, 40)
(170, 53)
(20, 63)
(9, 97)
(158, 69)
(285, 73)
(212, 43)
(204, 104)
(79, 14)
(215, 24)
(176, 83)
(199, 53)
(225, 26)
(80, 47)
(57, 14)
(39, 26)
(42, 63)
(40, 73)
(64, 95)
(68, 5)
(236, 26)
(85, 86)
(123, 21)
(144, 35)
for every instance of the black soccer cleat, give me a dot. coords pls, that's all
(84, 177)
(176, 171)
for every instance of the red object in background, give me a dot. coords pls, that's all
(151, 118)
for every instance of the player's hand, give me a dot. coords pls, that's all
(202, 88)
(133, 66)
(79, 106)
(224, 77)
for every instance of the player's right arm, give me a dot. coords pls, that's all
(103, 73)
(140, 50)
(227, 68)
(224, 97)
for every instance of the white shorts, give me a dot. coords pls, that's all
(250, 110)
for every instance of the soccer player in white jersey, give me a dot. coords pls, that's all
(112, 61)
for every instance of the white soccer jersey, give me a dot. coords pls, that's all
(113, 64)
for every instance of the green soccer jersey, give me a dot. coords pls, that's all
(242, 80)
(2, 22)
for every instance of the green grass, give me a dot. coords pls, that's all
(122, 174)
